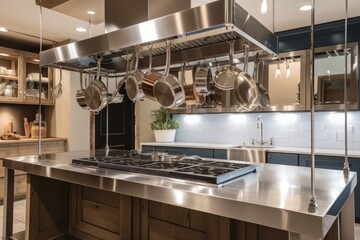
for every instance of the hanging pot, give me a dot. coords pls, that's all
(57, 91)
(80, 94)
(225, 76)
(116, 97)
(192, 97)
(245, 89)
(96, 92)
(134, 81)
(168, 90)
(203, 78)
(150, 77)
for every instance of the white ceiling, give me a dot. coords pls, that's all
(22, 16)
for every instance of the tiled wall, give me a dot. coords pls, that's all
(286, 129)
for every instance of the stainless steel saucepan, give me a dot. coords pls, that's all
(134, 81)
(168, 90)
(203, 79)
(150, 77)
(96, 92)
(225, 76)
(80, 94)
(192, 97)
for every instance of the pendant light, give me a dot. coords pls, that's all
(264, 7)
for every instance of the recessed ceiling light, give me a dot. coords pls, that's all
(80, 29)
(90, 12)
(2, 29)
(305, 8)
(4, 54)
(35, 60)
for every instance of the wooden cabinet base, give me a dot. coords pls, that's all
(58, 210)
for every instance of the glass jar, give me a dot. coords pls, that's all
(36, 124)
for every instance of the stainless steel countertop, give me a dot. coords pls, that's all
(275, 196)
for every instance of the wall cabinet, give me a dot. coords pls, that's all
(19, 78)
(201, 152)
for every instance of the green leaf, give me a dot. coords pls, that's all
(163, 121)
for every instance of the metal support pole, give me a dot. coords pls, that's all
(313, 206)
(346, 162)
(8, 204)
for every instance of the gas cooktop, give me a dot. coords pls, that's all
(183, 167)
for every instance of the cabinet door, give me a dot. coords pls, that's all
(201, 152)
(220, 154)
(148, 149)
(327, 162)
(10, 86)
(31, 83)
(172, 150)
(283, 158)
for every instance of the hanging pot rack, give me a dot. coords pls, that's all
(198, 33)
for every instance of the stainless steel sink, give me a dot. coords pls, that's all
(248, 153)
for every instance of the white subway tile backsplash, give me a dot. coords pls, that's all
(286, 129)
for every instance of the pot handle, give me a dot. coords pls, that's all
(168, 59)
(98, 69)
(246, 57)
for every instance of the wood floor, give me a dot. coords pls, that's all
(19, 219)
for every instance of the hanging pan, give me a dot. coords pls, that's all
(134, 81)
(225, 76)
(96, 92)
(57, 91)
(168, 90)
(150, 77)
(245, 89)
(263, 99)
(192, 97)
(80, 94)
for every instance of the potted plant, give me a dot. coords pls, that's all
(164, 126)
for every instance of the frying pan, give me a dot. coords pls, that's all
(168, 90)
(245, 89)
(134, 81)
(57, 91)
(225, 76)
(150, 77)
(263, 99)
(96, 92)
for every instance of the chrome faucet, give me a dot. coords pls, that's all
(260, 126)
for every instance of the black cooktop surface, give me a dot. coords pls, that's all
(183, 167)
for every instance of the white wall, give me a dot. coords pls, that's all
(287, 129)
(67, 118)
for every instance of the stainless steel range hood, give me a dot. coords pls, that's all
(197, 33)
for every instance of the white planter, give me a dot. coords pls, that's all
(165, 135)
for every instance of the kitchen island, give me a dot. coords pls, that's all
(94, 203)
